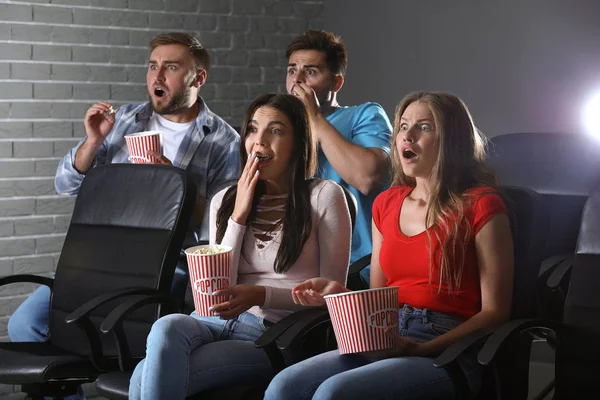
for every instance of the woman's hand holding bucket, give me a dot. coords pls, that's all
(241, 298)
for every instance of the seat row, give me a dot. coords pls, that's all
(123, 242)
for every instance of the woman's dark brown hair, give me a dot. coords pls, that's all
(297, 220)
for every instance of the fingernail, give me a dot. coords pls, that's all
(217, 314)
(211, 308)
(216, 293)
(256, 159)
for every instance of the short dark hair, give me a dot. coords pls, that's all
(329, 44)
(199, 54)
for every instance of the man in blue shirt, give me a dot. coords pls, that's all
(194, 138)
(354, 141)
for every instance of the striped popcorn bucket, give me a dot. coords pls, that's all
(360, 318)
(139, 143)
(209, 272)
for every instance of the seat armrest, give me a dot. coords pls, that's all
(306, 321)
(560, 272)
(509, 331)
(86, 308)
(451, 354)
(114, 323)
(359, 265)
(268, 340)
(354, 280)
(80, 317)
(275, 331)
(42, 280)
(550, 263)
(124, 309)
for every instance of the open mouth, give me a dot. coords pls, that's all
(158, 92)
(408, 154)
(263, 158)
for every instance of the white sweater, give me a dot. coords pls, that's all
(325, 254)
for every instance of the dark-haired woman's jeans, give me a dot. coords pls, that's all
(188, 354)
(354, 376)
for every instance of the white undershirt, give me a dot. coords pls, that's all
(173, 133)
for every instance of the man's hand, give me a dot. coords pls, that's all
(160, 159)
(99, 121)
(308, 96)
(241, 298)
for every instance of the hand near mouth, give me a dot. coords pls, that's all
(245, 190)
(308, 96)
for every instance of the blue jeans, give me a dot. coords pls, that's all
(355, 376)
(188, 354)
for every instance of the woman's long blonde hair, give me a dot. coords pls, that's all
(460, 165)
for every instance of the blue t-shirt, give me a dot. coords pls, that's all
(366, 125)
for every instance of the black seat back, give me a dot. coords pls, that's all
(127, 229)
(352, 206)
(528, 227)
(562, 168)
(578, 355)
(204, 229)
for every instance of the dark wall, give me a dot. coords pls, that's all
(520, 65)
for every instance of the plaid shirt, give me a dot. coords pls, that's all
(209, 150)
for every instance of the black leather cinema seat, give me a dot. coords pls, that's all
(125, 235)
(527, 229)
(564, 169)
(291, 335)
(578, 334)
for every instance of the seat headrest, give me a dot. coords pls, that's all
(548, 163)
(588, 241)
(112, 194)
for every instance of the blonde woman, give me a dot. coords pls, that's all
(442, 234)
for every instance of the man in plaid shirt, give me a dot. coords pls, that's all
(194, 138)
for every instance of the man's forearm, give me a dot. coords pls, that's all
(345, 156)
(85, 155)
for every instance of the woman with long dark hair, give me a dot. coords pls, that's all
(284, 228)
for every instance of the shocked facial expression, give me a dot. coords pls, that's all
(271, 136)
(416, 141)
(172, 79)
(309, 66)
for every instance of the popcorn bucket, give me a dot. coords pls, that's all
(360, 318)
(139, 143)
(209, 272)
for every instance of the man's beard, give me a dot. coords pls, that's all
(177, 102)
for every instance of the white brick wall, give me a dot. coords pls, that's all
(57, 57)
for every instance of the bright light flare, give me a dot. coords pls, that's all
(591, 116)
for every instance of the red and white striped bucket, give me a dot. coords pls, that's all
(360, 318)
(139, 143)
(208, 273)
